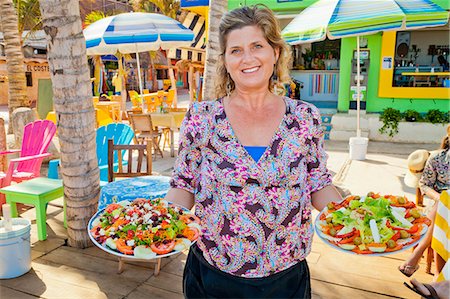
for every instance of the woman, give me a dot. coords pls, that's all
(252, 162)
(435, 179)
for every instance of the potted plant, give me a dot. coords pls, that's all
(390, 118)
(411, 115)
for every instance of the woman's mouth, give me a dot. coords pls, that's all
(250, 70)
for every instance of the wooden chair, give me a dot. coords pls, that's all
(145, 132)
(117, 150)
(120, 133)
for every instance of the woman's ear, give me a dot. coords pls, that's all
(277, 54)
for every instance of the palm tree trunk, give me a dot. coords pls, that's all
(216, 10)
(75, 114)
(14, 58)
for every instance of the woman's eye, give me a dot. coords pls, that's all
(258, 46)
(235, 51)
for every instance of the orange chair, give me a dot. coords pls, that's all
(151, 103)
(170, 97)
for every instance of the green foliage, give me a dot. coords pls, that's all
(29, 15)
(435, 116)
(169, 8)
(412, 115)
(390, 118)
(93, 17)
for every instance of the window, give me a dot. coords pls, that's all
(29, 78)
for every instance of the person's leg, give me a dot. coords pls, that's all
(441, 288)
(440, 263)
(411, 264)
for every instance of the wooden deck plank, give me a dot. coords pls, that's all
(167, 281)
(40, 285)
(7, 292)
(323, 290)
(176, 266)
(82, 261)
(146, 291)
(113, 285)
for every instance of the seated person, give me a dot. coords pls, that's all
(443, 62)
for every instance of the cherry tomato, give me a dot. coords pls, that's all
(130, 234)
(413, 229)
(347, 234)
(123, 247)
(112, 207)
(163, 247)
(396, 236)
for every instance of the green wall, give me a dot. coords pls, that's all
(284, 7)
(347, 47)
(373, 102)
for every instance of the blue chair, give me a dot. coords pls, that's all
(120, 133)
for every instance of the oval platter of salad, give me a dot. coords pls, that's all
(144, 229)
(372, 225)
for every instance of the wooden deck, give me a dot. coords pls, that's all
(59, 271)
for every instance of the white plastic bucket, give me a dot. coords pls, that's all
(15, 251)
(358, 148)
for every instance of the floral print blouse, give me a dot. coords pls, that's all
(436, 174)
(255, 216)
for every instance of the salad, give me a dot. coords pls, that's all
(145, 228)
(372, 224)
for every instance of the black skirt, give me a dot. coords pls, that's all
(201, 280)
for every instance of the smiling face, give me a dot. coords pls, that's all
(249, 58)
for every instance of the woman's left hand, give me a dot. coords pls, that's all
(322, 197)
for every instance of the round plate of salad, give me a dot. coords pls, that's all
(372, 225)
(144, 228)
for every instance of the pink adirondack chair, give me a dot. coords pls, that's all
(36, 140)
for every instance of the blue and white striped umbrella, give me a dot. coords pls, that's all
(345, 18)
(135, 32)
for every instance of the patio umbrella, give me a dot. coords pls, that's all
(346, 18)
(135, 32)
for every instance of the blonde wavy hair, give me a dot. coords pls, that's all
(261, 16)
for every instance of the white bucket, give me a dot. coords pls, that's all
(358, 148)
(15, 251)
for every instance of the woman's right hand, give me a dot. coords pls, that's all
(180, 197)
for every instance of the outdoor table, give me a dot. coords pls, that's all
(149, 187)
(171, 120)
(426, 75)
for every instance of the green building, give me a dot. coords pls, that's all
(387, 84)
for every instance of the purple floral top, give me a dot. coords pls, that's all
(436, 174)
(255, 216)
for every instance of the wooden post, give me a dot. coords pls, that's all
(3, 145)
(191, 83)
(173, 82)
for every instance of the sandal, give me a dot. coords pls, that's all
(433, 294)
(408, 270)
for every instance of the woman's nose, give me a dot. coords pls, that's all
(247, 56)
